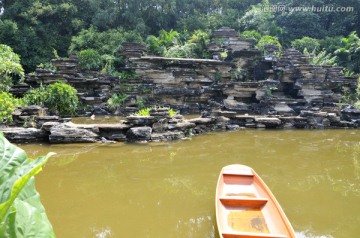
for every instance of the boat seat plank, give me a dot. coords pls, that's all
(245, 202)
(238, 172)
(251, 235)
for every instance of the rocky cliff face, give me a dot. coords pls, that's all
(244, 81)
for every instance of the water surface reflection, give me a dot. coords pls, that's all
(168, 189)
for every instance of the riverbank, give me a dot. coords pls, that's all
(31, 125)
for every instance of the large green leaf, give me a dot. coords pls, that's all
(21, 212)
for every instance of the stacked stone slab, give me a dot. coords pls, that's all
(159, 126)
(19, 90)
(132, 50)
(34, 117)
(319, 86)
(93, 87)
(66, 65)
(244, 82)
(241, 92)
(186, 84)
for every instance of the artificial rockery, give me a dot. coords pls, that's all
(240, 87)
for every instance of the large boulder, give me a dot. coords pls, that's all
(167, 136)
(68, 133)
(181, 125)
(21, 135)
(231, 104)
(140, 120)
(268, 122)
(114, 132)
(139, 133)
(202, 120)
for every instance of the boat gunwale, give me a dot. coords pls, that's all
(249, 172)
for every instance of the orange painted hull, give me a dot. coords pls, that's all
(246, 208)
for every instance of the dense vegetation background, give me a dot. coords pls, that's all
(32, 32)
(39, 30)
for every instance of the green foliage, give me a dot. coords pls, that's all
(154, 46)
(172, 112)
(322, 58)
(59, 97)
(159, 45)
(308, 43)
(116, 101)
(198, 41)
(181, 51)
(8, 103)
(349, 97)
(357, 105)
(108, 62)
(168, 39)
(139, 102)
(259, 19)
(357, 100)
(268, 40)
(195, 21)
(269, 91)
(253, 34)
(124, 75)
(348, 73)
(47, 66)
(21, 212)
(10, 68)
(296, 25)
(89, 59)
(35, 28)
(331, 44)
(224, 54)
(62, 98)
(173, 44)
(99, 49)
(36, 96)
(104, 42)
(302, 22)
(145, 112)
(349, 55)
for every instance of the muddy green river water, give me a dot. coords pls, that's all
(162, 190)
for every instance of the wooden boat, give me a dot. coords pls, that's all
(246, 208)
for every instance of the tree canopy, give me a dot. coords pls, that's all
(10, 67)
(39, 30)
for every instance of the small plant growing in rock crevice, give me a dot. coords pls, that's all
(127, 75)
(139, 102)
(172, 112)
(224, 54)
(217, 77)
(145, 112)
(269, 91)
(116, 101)
(349, 97)
(47, 66)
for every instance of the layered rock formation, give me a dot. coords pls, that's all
(238, 79)
(160, 126)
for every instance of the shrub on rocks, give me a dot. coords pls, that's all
(59, 97)
(8, 103)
